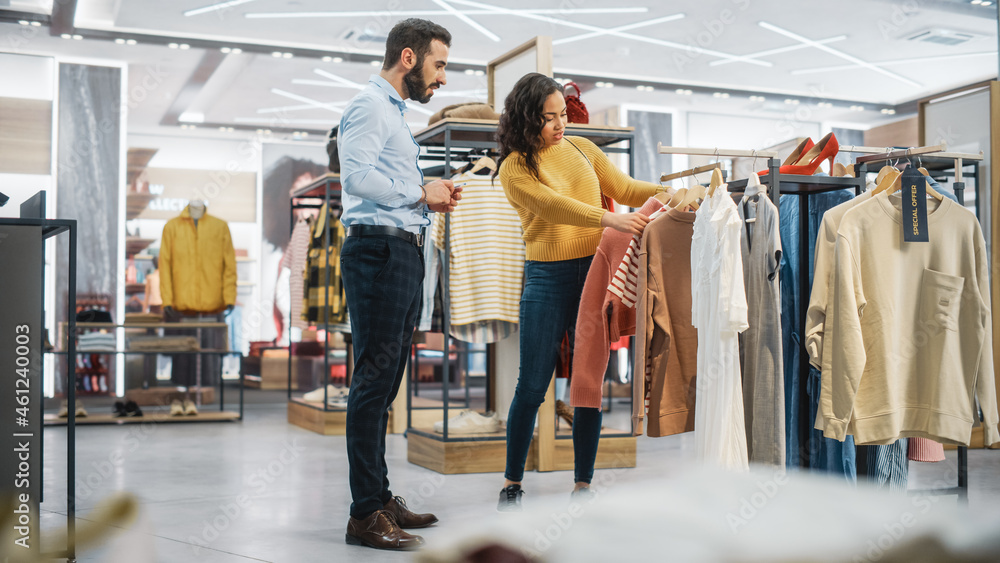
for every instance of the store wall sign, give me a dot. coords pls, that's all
(21, 339)
(231, 196)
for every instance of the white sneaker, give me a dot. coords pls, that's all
(317, 395)
(338, 398)
(470, 422)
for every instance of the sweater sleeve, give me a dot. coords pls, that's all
(524, 190)
(167, 265)
(615, 183)
(819, 297)
(591, 348)
(643, 332)
(985, 379)
(839, 390)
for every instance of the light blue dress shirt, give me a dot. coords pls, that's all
(378, 161)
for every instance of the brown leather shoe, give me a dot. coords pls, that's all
(381, 531)
(406, 519)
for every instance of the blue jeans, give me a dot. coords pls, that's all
(382, 277)
(549, 303)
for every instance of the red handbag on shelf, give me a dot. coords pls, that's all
(576, 111)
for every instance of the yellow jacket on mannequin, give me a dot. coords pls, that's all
(197, 264)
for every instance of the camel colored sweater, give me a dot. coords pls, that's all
(602, 319)
(561, 209)
(912, 337)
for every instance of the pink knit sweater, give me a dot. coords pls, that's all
(602, 318)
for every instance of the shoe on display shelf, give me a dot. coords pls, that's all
(470, 422)
(332, 391)
(119, 410)
(80, 411)
(190, 409)
(176, 408)
(510, 499)
(132, 410)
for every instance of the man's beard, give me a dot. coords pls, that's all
(417, 89)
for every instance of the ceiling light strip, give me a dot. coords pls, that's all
(306, 100)
(326, 83)
(427, 13)
(777, 51)
(896, 62)
(216, 7)
(297, 108)
(839, 54)
(471, 22)
(628, 27)
(338, 79)
(670, 44)
(275, 122)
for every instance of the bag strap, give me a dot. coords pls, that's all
(606, 202)
(573, 84)
(583, 153)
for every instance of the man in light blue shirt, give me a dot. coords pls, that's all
(385, 204)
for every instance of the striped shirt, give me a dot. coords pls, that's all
(625, 284)
(487, 254)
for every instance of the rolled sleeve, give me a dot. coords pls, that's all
(364, 131)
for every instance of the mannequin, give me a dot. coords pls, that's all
(197, 263)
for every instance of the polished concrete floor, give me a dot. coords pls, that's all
(263, 490)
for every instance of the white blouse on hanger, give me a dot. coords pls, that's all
(719, 312)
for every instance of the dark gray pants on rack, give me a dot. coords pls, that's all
(383, 276)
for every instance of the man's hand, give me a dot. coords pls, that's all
(448, 205)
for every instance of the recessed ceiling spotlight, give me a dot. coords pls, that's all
(684, 91)
(376, 63)
(172, 45)
(24, 22)
(77, 37)
(327, 59)
(119, 41)
(66, 36)
(791, 101)
(338, 59)
(888, 111)
(857, 108)
(480, 73)
(757, 98)
(287, 55)
(36, 24)
(977, 2)
(226, 50)
(276, 54)
(184, 46)
(470, 71)
(229, 129)
(260, 131)
(130, 41)
(985, 3)
(222, 128)
(599, 84)
(267, 131)
(720, 95)
(825, 105)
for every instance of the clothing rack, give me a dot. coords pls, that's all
(333, 419)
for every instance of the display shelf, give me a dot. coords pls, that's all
(207, 351)
(136, 203)
(155, 418)
(317, 189)
(135, 288)
(163, 396)
(135, 245)
(475, 132)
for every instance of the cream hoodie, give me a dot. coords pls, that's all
(912, 337)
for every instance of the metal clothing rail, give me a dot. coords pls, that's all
(715, 152)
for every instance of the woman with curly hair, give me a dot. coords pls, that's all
(555, 184)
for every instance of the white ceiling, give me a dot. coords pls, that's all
(852, 52)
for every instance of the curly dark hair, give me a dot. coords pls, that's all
(521, 122)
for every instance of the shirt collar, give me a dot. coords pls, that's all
(383, 84)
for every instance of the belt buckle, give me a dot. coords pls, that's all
(419, 239)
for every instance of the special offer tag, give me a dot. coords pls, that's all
(914, 194)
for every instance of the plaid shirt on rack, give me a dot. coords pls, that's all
(316, 295)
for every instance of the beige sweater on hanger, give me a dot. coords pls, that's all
(912, 337)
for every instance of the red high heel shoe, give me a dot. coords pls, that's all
(802, 147)
(826, 149)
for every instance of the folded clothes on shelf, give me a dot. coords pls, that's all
(470, 422)
(96, 342)
(163, 343)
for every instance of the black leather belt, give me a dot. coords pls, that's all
(372, 230)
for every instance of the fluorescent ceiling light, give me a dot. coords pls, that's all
(338, 79)
(777, 51)
(628, 27)
(471, 22)
(840, 54)
(927, 59)
(428, 13)
(328, 84)
(319, 105)
(276, 122)
(585, 27)
(283, 109)
(191, 117)
(214, 7)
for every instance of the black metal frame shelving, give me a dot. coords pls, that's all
(327, 188)
(453, 140)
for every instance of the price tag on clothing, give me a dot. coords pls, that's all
(914, 194)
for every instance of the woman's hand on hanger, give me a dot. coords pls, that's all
(631, 223)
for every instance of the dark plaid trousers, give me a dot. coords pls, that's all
(383, 277)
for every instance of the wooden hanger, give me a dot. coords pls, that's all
(897, 184)
(717, 180)
(885, 170)
(689, 172)
(666, 195)
(839, 170)
(885, 182)
(849, 171)
(677, 197)
(691, 198)
(484, 162)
